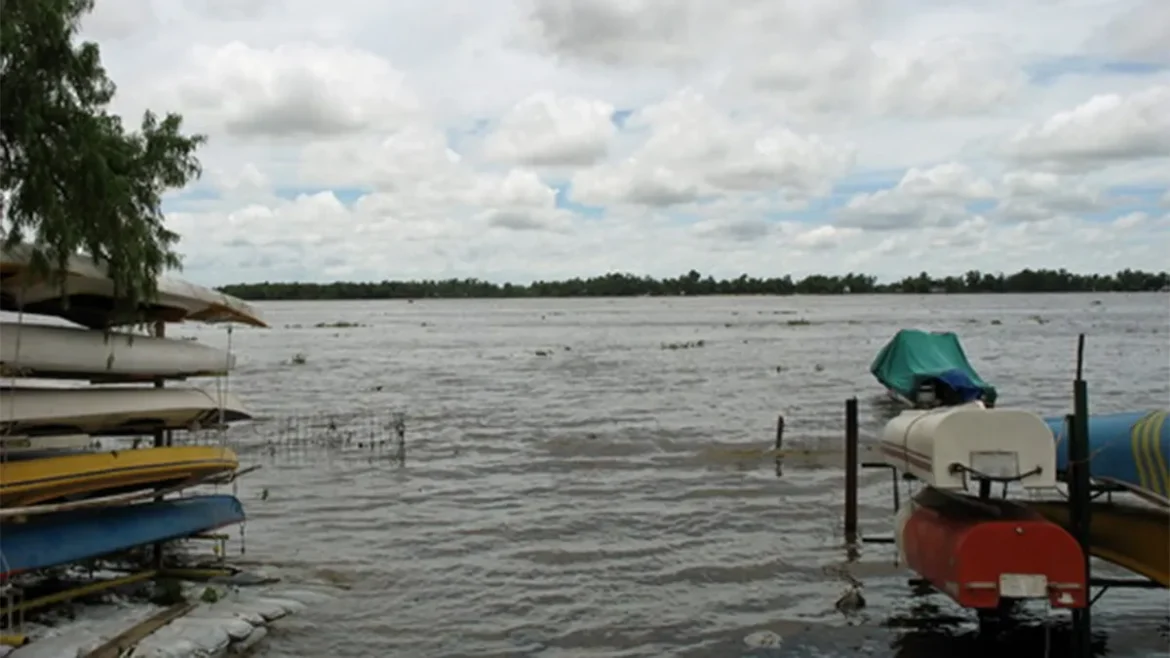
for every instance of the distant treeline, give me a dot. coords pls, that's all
(694, 283)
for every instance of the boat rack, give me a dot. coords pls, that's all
(15, 604)
(1081, 492)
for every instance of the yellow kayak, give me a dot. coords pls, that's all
(35, 481)
(1135, 537)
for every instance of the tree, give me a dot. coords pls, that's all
(618, 284)
(75, 180)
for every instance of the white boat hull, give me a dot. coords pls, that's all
(114, 411)
(899, 398)
(31, 350)
(949, 447)
(89, 292)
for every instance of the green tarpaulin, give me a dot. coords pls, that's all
(914, 358)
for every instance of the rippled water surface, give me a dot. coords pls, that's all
(572, 488)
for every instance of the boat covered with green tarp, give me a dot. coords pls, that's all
(928, 369)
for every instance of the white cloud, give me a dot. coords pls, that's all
(685, 33)
(692, 150)
(415, 177)
(936, 197)
(948, 180)
(232, 10)
(823, 237)
(1130, 221)
(544, 129)
(1105, 128)
(242, 184)
(945, 77)
(294, 90)
(950, 196)
(1139, 31)
(306, 237)
(114, 21)
(412, 139)
(1033, 195)
(413, 160)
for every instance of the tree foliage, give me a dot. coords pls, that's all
(76, 180)
(694, 283)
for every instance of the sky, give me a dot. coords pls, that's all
(515, 140)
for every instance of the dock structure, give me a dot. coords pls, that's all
(986, 551)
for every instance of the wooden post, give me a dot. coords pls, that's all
(851, 439)
(400, 430)
(779, 445)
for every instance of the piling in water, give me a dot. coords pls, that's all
(779, 447)
(400, 431)
(851, 439)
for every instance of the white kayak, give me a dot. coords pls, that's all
(87, 297)
(46, 352)
(114, 410)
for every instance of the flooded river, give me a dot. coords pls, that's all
(585, 477)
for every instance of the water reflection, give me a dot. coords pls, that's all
(928, 632)
(1011, 638)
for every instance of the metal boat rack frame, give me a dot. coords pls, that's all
(1081, 492)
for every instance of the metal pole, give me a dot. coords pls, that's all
(851, 438)
(1080, 358)
(160, 331)
(1079, 498)
(160, 438)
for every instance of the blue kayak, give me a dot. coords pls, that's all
(1132, 447)
(65, 537)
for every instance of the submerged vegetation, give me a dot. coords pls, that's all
(694, 283)
(73, 178)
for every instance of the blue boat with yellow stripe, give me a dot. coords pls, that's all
(1131, 449)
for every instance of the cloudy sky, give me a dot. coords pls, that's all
(524, 139)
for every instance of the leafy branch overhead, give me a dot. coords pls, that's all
(76, 180)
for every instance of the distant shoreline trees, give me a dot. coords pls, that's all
(695, 284)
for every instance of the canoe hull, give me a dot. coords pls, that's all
(948, 448)
(88, 475)
(87, 298)
(1130, 448)
(46, 352)
(114, 411)
(1131, 536)
(68, 537)
(979, 559)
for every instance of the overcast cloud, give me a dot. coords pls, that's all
(546, 138)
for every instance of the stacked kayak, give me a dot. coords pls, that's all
(1131, 449)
